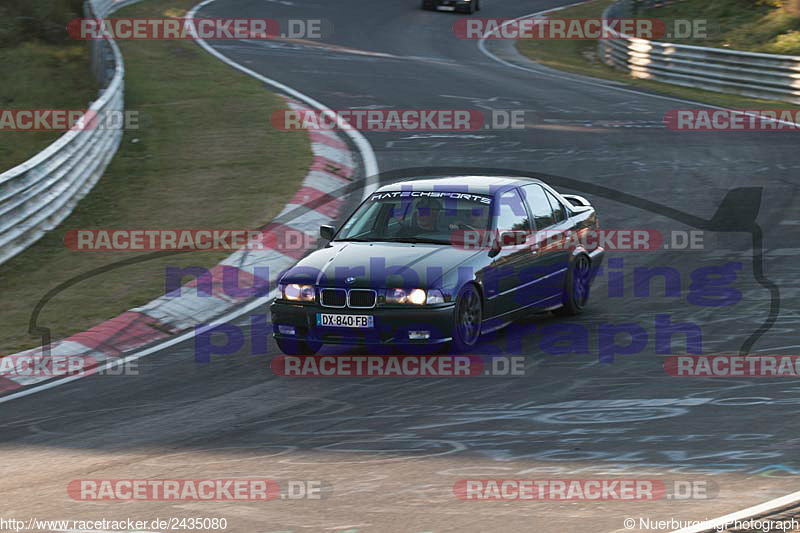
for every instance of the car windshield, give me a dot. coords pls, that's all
(417, 217)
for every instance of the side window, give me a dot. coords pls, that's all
(539, 206)
(510, 213)
(558, 208)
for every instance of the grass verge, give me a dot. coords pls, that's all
(581, 57)
(765, 26)
(40, 68)
(205, 156)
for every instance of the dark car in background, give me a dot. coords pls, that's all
(462, 6)
(437, 261)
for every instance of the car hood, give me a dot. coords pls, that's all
(377, 265)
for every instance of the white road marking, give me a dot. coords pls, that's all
(362, 144)
(585, 80)
(148, 351)
(744, 514)
(370, 169)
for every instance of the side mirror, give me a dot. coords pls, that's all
(327, 232)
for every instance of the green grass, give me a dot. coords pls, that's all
(40, 68)
(737, 24)
(42, 21)
(205, 156)
(581, 57)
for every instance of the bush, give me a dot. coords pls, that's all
(788, 43)
(37, 20)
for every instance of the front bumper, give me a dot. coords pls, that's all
(447, 5)
(391, 324)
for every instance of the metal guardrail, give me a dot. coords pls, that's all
(38, 194)
(766, 76)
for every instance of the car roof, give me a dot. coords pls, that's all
(471, 184)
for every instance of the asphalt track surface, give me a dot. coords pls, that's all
(392, 448)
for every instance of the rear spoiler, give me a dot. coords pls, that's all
(579, 203)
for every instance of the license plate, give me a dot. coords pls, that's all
(344, 321)
(446, 8)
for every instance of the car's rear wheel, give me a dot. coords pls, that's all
(296, 347)
(468, 316)
(575, 294)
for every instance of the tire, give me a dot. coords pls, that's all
(467, 318)
(477, 5)
(293, 347)
(426, 6)
(469, 9)
(575, 294)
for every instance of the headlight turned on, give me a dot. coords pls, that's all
(297, 293)
(414, 296)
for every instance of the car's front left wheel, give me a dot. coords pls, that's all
(468, 316)
(296, 347)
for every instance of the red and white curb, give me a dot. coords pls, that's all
(331, 172)
(318, 201)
